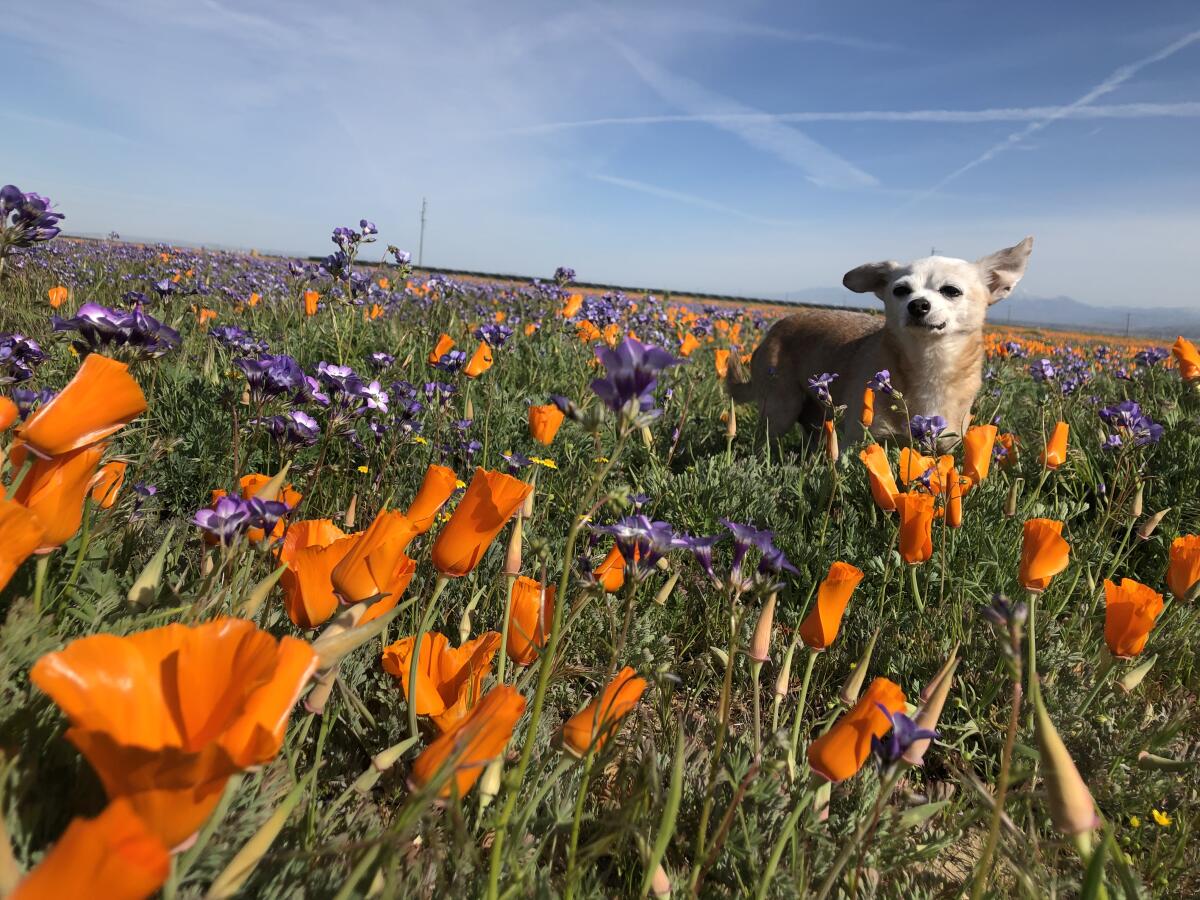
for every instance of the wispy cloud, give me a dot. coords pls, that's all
(1107, 86)
(689, 199)
(1185, 110)
(821, 165)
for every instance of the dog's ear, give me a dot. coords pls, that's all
(1003, 269)
(870, 278)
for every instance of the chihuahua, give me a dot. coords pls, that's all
(930, 340)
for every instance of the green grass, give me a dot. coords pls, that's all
(341, 840)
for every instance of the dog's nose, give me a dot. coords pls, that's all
(918, 308)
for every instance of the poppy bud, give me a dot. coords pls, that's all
(1135, 511)
(1146, 529)
(1131, 679)
(853, 686)
(1010, 505)
(464, 627)
(512, 558)
(258, 594)
(760, 645)
(146, 586)
(831, 441)
(1147, 760)
(351, 512)
(950, 663)
(489, 783)
(647, 437)
(660, 884)
(731, 423)
(931, 710)
(784, 678)
(664, 592)
(1071, 807)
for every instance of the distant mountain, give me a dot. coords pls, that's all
(1160, 322)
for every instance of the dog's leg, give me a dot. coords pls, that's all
(780, 411)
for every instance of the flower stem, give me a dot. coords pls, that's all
(510, 580)
(849, 848)
(39, 582)
(983, 870)
(576, 820)
(794, 747)
(1101, 677)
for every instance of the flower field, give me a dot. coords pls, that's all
(335, 580)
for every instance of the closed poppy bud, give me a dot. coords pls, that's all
(820, 626)
(1055, 453)
(376, 564)
(1070, 801)
(54, 490)
(544, 422)
(611, 572)
(867, 417)
(831, 441)
(916, 526)
(1130, 609)
(594, 724)
(20, 534)
(858, 675)
(472, 743)
(489, 502)
(1187, 357)
(480, 362)
(978, 443)
(1183, 569)
(1014, 492)
(308, 594)
(660, 883)
(108, 483)
(113, 851)
(532, 613)
(436, 487)
(489, 784)
(1135, 676)
(930, 712)
(840, 752)
(1044, 554)
(165, 716)
(879, 474)
(760, 644)
(8, 413)
(57, 295)
(954, 509)
(1146, 529)
(449, 679)
(730, 417)
(100, 400)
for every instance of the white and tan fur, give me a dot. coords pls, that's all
(930, 339)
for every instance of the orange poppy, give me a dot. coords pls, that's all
(867, 417)
(879, 475)
(253, 300)
(1044, 553)
(480, 362)
(1130, 609)
(437, 486)
(308, 533)
(114, 852)
(20, 534)
(571, 307)
(598, 721)
(721, 362)
(449, 679)
(307, 581)
(913, 465)
(8, 413)
(1011, 445)
(489, 502)
(611, 572)
(831, 440)
(54, 489)
(107, 483)
(384, 283)
(1187, 357)
(916, 526)
(528, 628)
(544, 422)
(840, 752)
(978, 443)
(445, 344)
(688, 344)
(311, 299)
(1055, 453)
(1183, 569)
(203, 315)
(530, 328)
(165, 716)
(100, 400)
(376, 565)
(587, 332)
(472, 743)
(821, 625)
(57, 296)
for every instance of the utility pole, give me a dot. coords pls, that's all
(421, 243)
(1128, 316)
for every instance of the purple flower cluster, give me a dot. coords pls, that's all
(925, 430)
(641, 541)
(239, 339)
(564, 275)
(903, 735)
(99, 326)
(820, 386)
(494, 334)
(230, 517)
(19, 356)
(25, 219)
(1151, 356)
(882, 383)
(296, 428)
(1043, 370)
(272, 375)
(632, 371)
(1130, 424)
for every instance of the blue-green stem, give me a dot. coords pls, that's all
(794, 746)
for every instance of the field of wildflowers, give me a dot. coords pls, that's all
(331, 580)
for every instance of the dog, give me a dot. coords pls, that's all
(930, 339)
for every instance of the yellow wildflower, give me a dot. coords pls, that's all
(1161, 818)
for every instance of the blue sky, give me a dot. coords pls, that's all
(748, 148)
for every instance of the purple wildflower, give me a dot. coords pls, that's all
(632, 375)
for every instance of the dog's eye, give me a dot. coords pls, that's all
(902, 290)
(949, 290)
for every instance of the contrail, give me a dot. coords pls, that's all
(680, 197)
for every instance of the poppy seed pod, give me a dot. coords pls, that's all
(1071, 807)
